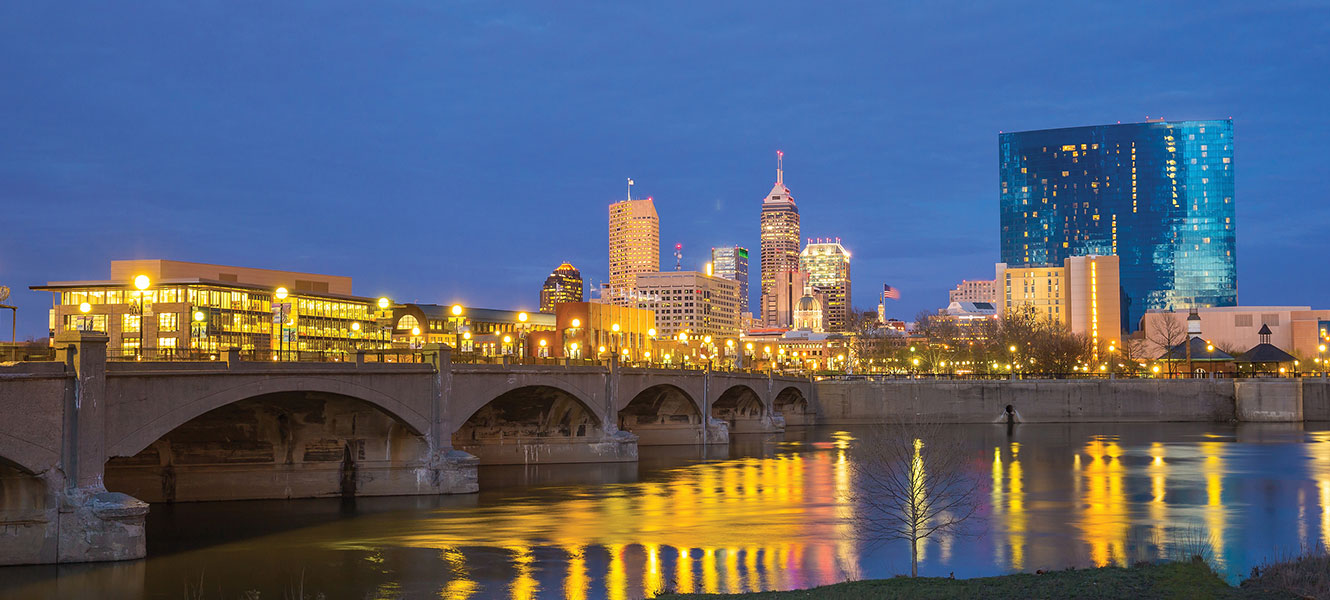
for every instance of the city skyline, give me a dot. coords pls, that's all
(183, 165)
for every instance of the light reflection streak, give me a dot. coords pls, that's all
(1016, 509)
(683, 571)
(1158, 509)
(616, 580)
(524, 586)
(1213, 470)
(460, 586)
(1104, 519)
(576, 582)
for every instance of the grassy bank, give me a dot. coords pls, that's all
(1180, 580)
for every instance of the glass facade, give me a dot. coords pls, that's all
(1159, 195)
(731, 263)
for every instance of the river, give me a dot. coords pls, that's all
(768, 512)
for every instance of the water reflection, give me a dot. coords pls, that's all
(768, 514)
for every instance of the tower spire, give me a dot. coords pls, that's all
(780, 167)
(630, 188)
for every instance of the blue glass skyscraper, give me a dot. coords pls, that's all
(1157, 194)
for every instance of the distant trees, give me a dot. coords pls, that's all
(1164, 333)
(912, 481)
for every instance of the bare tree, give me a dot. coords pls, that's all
(1166, 332)
(912, 481)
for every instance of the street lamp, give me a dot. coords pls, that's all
(141, 282)
(281, 294)
(1321, 349)
(197, 328)
(521, 334)
(84, 308)
(355, 336)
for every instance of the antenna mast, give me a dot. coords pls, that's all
(780, 167)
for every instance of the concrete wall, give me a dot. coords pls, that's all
(1053, 401)
(1276, 401)
(1315, 399)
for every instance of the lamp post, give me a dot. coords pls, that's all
(748, 347)
(1321, 350)
(196, 327)
(280, 294)
(521, 334)
(615, 328)
(355, 336)
(141, 283)
(1014, 360)
(651, 337)
(84, 308)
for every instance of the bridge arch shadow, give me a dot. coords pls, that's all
(791, 403)
(23, 499)
(662, 415)
(153, 429)
(539, 424)
(288, 444)
(742, 407)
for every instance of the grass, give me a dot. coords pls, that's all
(1306, 575)
(1166, 581)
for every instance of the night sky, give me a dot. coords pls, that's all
(441, 152)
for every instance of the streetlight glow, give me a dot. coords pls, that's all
(522, 316)
(280, 293)
(614, 327)
(651, 332)
(85, 308)
(142, 282)
(355, 326)
(577, 323)
(199, 316)
(383, 303)
(457, 310)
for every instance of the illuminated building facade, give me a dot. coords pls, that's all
(584, 328)
(731, 262)
(979, 290)
(779, 302)
(1157, 194)
(690, 302)
(780, 239)
(827, 263)
(1082, 295)
(1295, 329)
(212, 308)
(634, 243)
(563, 285)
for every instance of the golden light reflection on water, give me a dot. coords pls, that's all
(1104, 516)
(787, 520)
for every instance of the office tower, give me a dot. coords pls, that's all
(780, 237)
(563, 285)
(634, 243)
(689, 302)
(1082, 295)
(1158, 194)
(731, 262)
(827, 263)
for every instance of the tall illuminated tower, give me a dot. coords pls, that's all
(780, 239)
(827, 264)
(1159, 195)
(634, 242)
(563, 285)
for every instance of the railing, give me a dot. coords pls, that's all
(1059, 376)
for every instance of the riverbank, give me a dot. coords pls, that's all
(1166, 581)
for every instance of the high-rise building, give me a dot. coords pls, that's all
(1082, 295)
(780, 237)
(779, 304)
(827, 263)
(968, 290)
(634, 243)
(563, 285)
(690, 302)
(1157, 194)
(731, 262)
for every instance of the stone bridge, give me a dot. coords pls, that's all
(85, 442)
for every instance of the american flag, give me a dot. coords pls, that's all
(890, 292)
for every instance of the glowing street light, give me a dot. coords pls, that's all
(383, 302)
(456, 310)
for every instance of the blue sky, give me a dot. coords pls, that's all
(441, 152)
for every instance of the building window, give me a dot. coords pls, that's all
(167, 322)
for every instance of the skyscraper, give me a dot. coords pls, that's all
(731, 262)
(780, 236)
(1158, 194)
(563, 285)
(827, 263)
(634, 243)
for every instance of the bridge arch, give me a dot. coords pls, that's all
(279, 444)
(25, 455)
(663, 414)
(153, 429)
(792, 403)
(741, 406)
(537, 422)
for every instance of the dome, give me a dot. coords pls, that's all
(809, 303)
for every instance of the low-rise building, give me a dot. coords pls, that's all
(977, 290)
(1298, 330)
(157, 306)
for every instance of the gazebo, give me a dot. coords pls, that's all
(1205, 357)
(1199, 356)
(1266, 358)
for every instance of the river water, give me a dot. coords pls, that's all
(768, 512)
